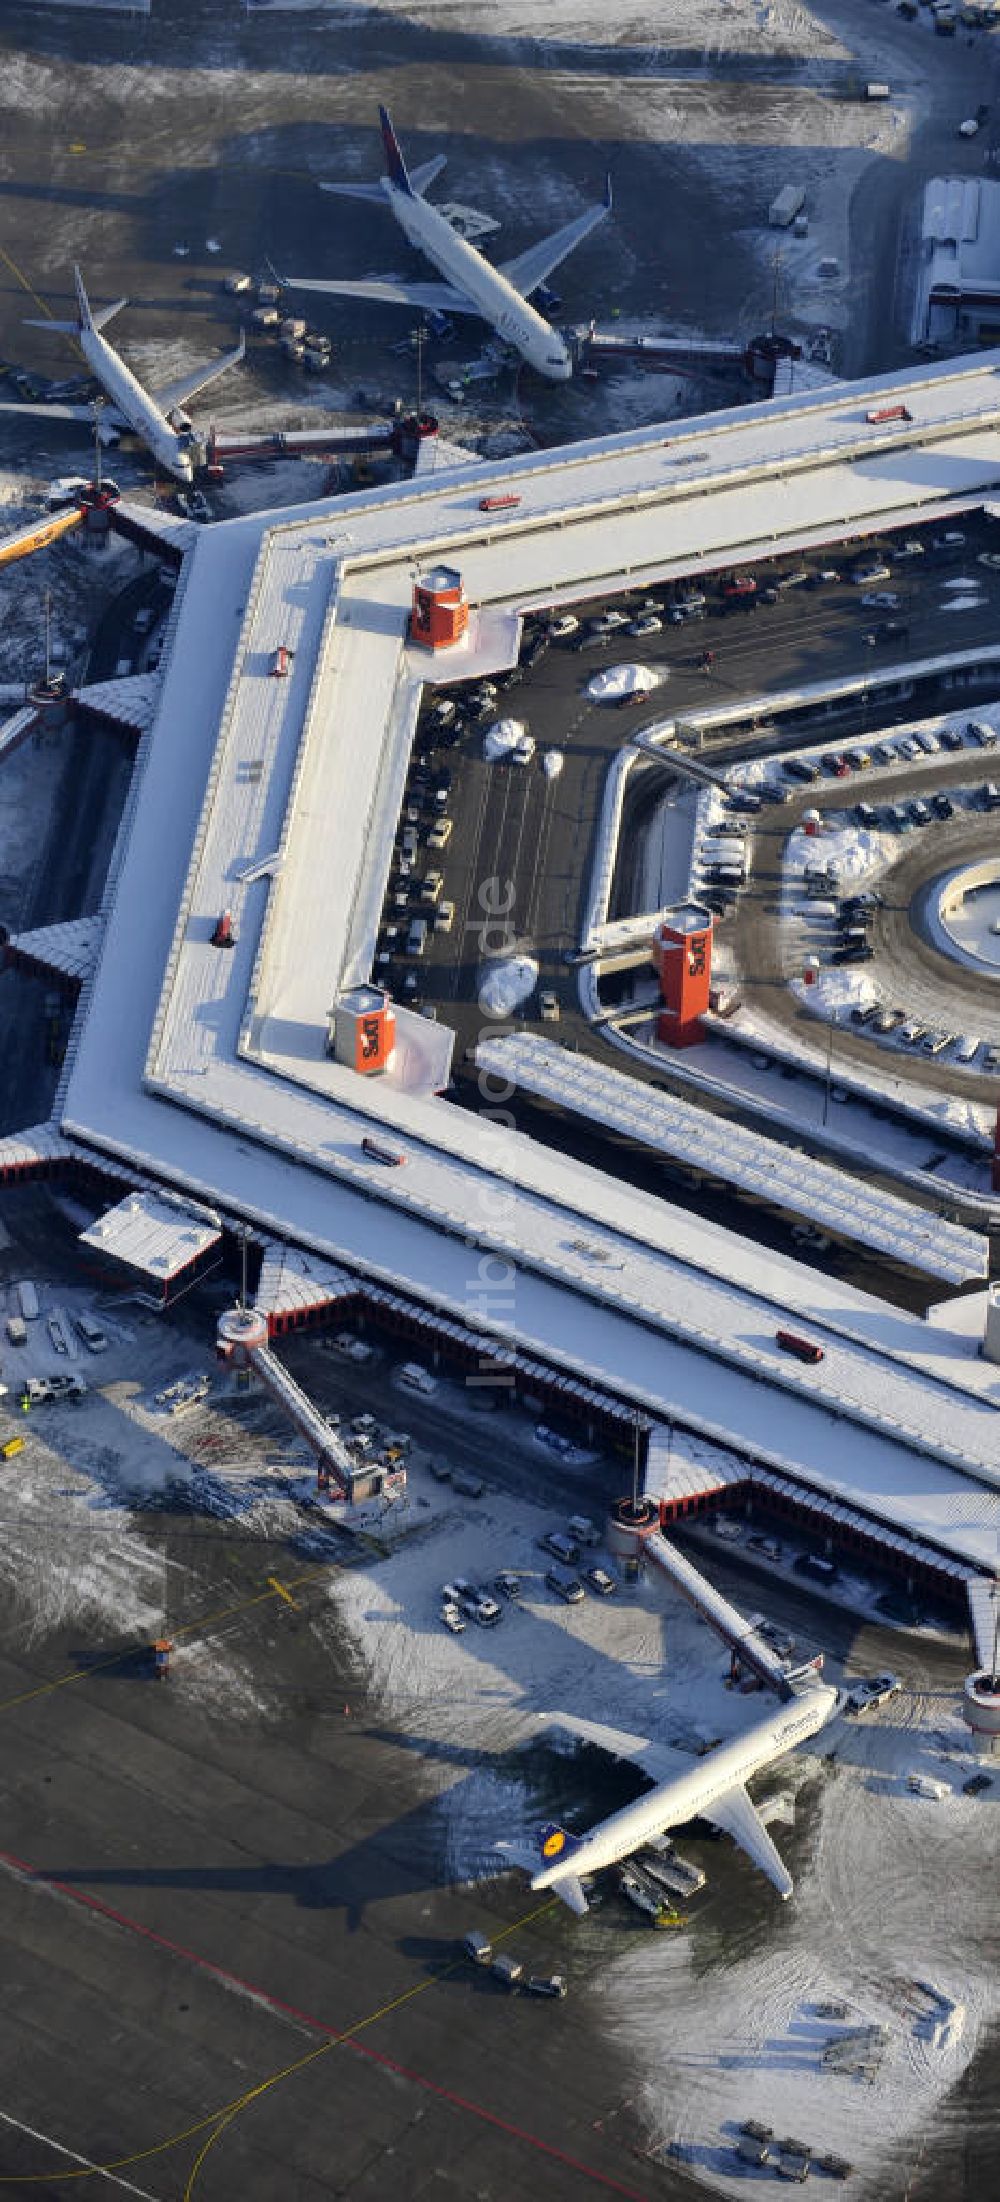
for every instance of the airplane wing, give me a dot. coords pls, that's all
(433, 297)
(188, 386)
(738, 1817)
(419, 180)
(655, 1759)
(110, 417)
(534, 266)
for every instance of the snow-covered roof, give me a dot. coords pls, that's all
(131, 701)
(787, 1178)
(291, 1280)
(169, 528)
(278, 797)
(155, 1235)
(40, 1144)
(70, 948)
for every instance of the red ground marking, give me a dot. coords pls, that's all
(319, 2026)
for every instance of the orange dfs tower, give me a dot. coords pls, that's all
(440, 615)
(682, 953)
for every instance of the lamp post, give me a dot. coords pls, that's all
(96, 408)
(418, 338)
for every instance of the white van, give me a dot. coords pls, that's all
(91, 1332)
(417, 1379)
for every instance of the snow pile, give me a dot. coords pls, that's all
(965, 593)
(618, 681)
(853, 853)
(507, 738)
(507, 985)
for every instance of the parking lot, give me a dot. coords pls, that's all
(528, 816)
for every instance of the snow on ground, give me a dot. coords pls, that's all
(503, 738)
(712, 2042)
(664, 26)
(618, 681)
(73, 1551)
(506, 985)
(865, 1925)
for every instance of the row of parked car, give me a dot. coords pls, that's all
(893, 749)
(462, 1601)
(884, 1022)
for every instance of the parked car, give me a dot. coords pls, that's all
(565, 1584)
(599, 1580)
(872, 1691)
(562, 1548)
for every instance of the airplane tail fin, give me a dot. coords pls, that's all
(88, 318)
(83, 302)
(555, 1842)
(394, 162)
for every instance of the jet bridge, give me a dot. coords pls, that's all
(749, 1646)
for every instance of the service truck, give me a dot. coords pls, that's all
(782, 211)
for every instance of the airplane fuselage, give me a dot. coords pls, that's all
(170, 450)
(498, 301)
(675, 1802)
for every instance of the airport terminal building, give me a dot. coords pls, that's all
(232, 1054)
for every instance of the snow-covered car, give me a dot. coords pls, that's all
(872, 1691)
(453, 1617)
(648, 623)
(881, 600)
(867, 577)
(552, 763)
(912, 548)
(598, 1579)
(988, 558)
(546, 1984)
(549, 1007)
(565, 623)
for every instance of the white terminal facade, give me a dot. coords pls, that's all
(205, 1072)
